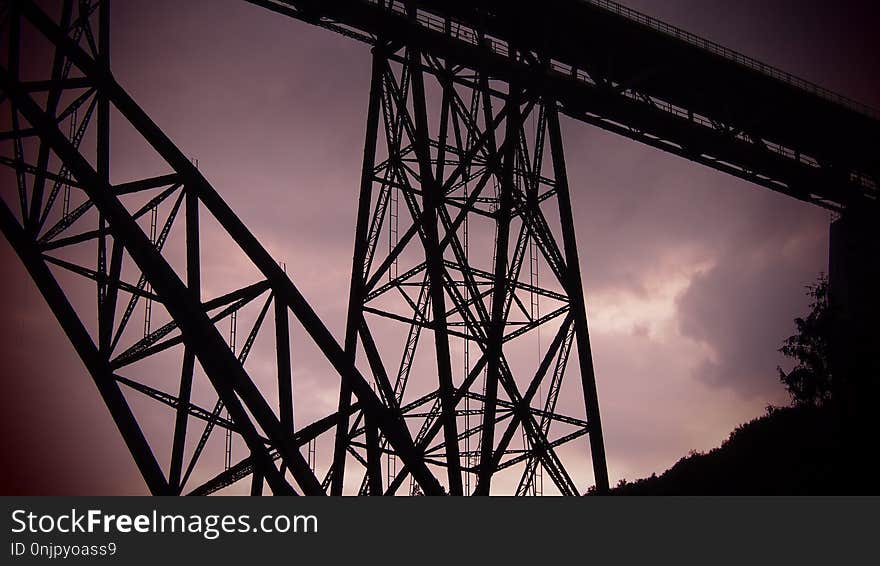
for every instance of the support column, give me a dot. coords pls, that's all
(854, 298)
(355, 296)
(574, 287)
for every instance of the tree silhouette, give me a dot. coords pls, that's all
(809, 382)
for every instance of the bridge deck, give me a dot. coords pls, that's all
(625, 72)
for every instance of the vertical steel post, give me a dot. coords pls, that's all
(193, 283)
(499, 293)
(432, 192)
(355, 295)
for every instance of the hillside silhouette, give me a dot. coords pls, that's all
(799, 450)
(824, 444)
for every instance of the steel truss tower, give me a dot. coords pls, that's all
(465, 303)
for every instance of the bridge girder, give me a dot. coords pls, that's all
(630, 74)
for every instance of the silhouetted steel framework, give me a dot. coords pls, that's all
(463, 131)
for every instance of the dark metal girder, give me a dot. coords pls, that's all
(354, 319)
(496, 328)
(574, 287)
(801, 120)
(434, 260)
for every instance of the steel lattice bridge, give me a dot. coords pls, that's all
(463, 202)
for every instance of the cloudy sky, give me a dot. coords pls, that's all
(692, 277)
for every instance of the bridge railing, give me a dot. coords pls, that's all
(734, 56)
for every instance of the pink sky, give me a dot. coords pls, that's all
(692, 278)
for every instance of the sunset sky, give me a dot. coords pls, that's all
(692, 277)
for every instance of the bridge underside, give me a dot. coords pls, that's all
(465, 365)
(620, 70)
